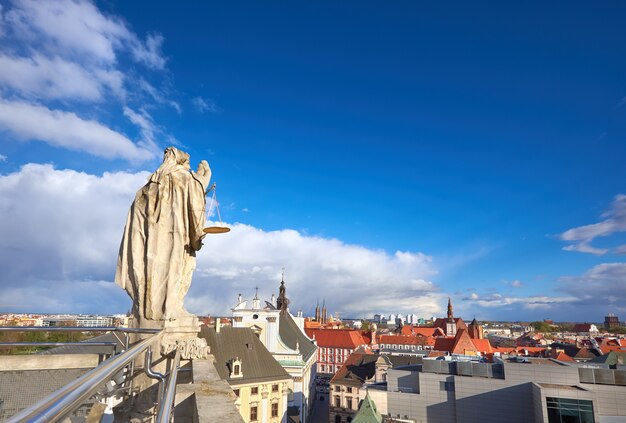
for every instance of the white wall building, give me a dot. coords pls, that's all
(285, 339)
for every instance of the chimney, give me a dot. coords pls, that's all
(218, 324)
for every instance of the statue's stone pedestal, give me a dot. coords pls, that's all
(182, 334)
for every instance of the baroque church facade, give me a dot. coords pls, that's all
(284, 337)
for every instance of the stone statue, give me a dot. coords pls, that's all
(163, 232)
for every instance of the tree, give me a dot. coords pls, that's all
(542, 326)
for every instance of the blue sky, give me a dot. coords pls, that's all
(387, 156)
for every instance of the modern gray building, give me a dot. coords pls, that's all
(538, 390)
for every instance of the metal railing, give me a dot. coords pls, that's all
(61, 403)
(114, 345)
(66, 400)
(76, 329)
(166, 403)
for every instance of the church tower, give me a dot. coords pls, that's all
(475, 330)
(317, 311)
(324, 312)
(450, 321)
(282, 302)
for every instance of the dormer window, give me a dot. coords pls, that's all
(234, 365)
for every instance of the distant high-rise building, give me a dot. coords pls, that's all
(611, 321)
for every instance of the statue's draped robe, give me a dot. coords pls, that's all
(162, 234)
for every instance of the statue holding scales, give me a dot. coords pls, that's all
(164, 229)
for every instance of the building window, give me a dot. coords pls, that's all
(349, 389)
(337, 401)
(253, 413)
(254, 390)
(236, 391)
(349, 403)
(236, 370)
(569, 410)
(337, 419)
(274, 388)
(275, 409)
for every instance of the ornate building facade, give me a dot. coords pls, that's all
(285, 339)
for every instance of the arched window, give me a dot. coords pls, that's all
(236, 370)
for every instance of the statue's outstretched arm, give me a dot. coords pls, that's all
(203, 174)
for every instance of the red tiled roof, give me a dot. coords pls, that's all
(462, 344)
(483, 345)
(561, 356)
(421, 330)
(336, 338)
(400, 340)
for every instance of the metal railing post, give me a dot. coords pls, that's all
(62, 402)
(166, 405)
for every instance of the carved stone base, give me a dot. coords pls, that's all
(190, 348)
(183, 334)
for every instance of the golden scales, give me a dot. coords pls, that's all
(221, 228)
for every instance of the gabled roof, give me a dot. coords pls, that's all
(580, 353)
(257, 364)
(612, 358)
(367, 412)
(358, 369)
(421, 330)
(561, 356)
(441, 322)
(291, 335)
(337, 338)
(462, 343)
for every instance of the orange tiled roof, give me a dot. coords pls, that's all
(463, 344)
(421, 330)
(336, 338)
(399, 340)
(483, 345)
(561, 356)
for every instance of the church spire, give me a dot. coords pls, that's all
(317, 311)
(282, 302)
(450, 314)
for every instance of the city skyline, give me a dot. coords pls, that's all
(387, 158)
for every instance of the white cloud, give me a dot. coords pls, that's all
(615, 221)
(530, 302)
(3, 158)
(70, 224)
(157, 95)
(146, 125)
(516, 283)
(78, 28)
(69, 50)
(40, 77)
(601, 285)
(65, 129)
(204, 105)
